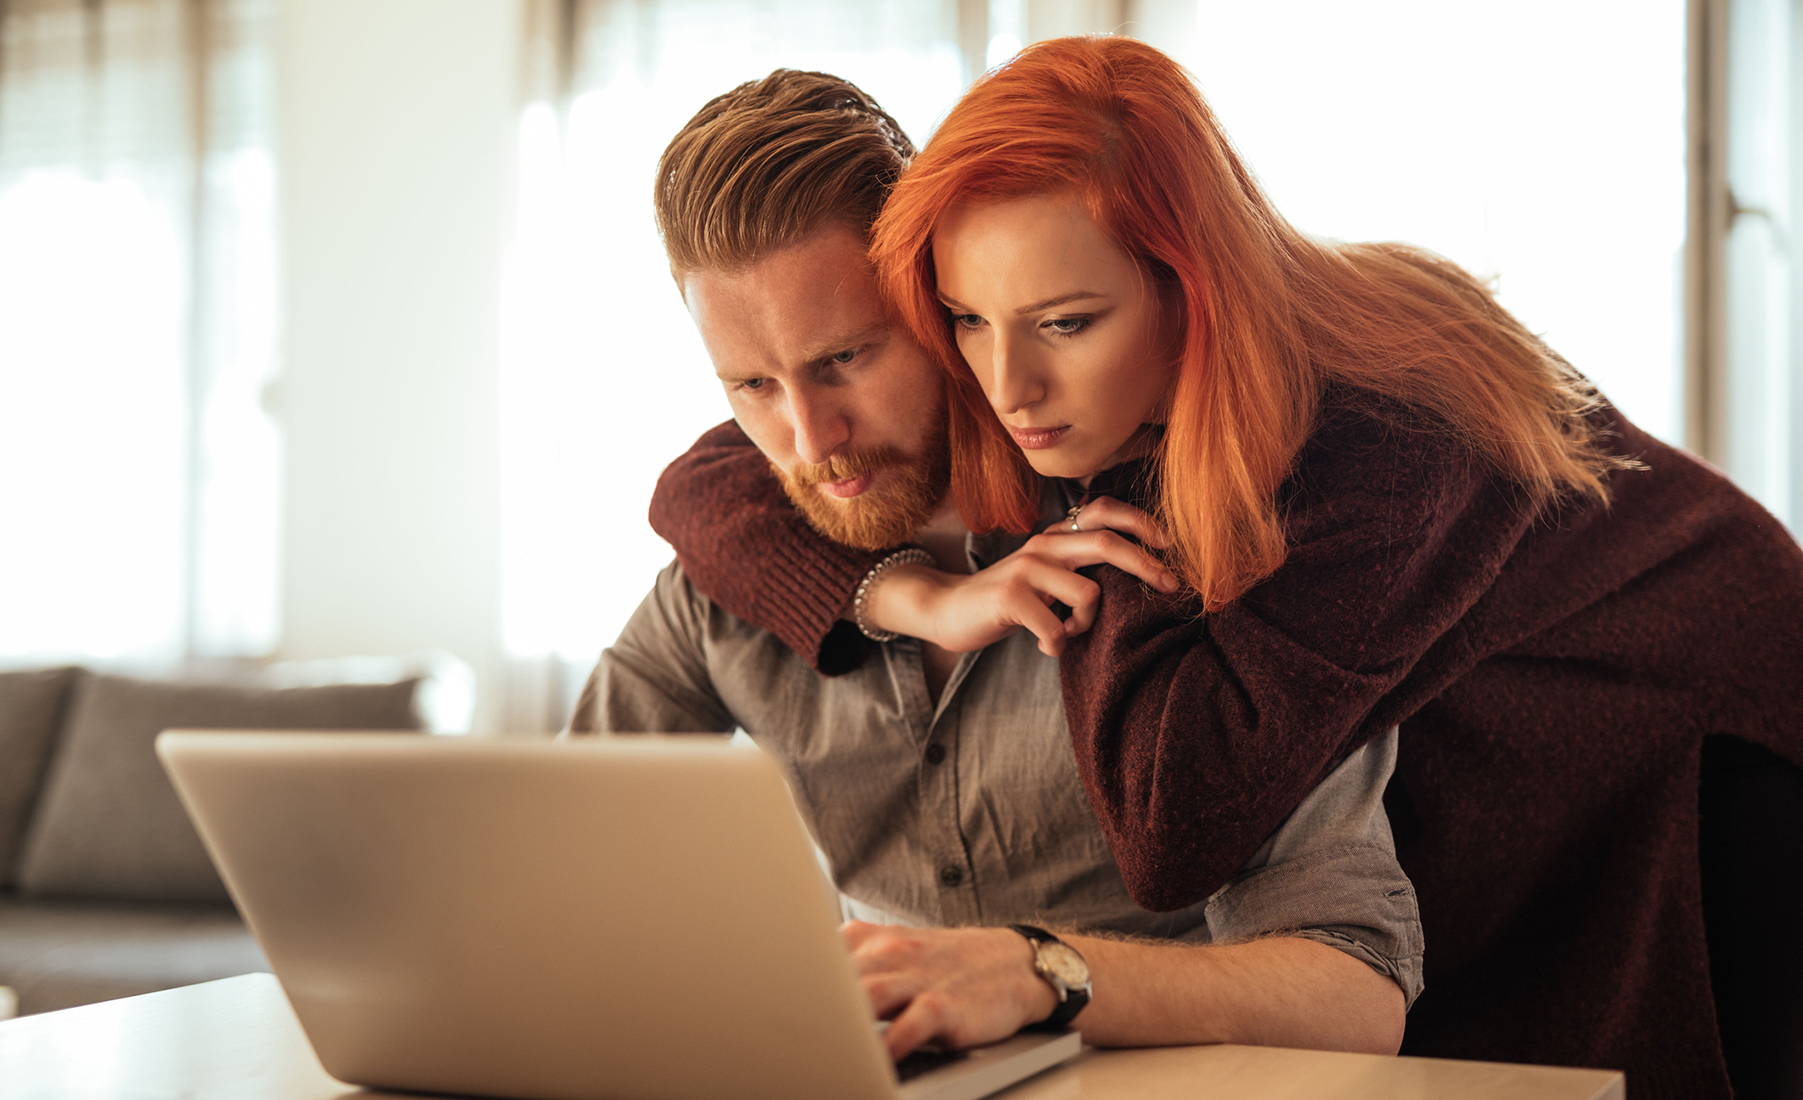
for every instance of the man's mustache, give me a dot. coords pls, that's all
(847, 464)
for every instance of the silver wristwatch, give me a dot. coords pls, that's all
(1063, 968)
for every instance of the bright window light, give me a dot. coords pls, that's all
(604, 380)
(1538, 143)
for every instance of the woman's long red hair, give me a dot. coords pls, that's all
(1269, 316)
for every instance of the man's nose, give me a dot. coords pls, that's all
(1016, 378)
(821, 425)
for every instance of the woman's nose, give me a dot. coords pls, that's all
(1016, 380)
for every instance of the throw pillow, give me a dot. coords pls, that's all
(110, 824)
(32, 706)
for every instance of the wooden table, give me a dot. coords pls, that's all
(237, 1039)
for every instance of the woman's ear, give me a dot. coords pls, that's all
(1173, 320)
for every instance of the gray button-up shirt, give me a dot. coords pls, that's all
(968, 809)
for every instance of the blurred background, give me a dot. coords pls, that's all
(332, 328)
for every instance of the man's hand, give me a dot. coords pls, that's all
(962, 613)
(960, 986)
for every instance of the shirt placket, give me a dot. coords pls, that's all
(948, 873)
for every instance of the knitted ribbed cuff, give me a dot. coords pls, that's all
(813, 583)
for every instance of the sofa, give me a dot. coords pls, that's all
(105, 888)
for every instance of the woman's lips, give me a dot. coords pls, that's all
(1033, 439)
(848, 488)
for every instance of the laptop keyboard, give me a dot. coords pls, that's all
(925, 1061)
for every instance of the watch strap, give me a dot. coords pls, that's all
(1035, 933)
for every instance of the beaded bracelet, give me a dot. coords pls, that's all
(911, 556)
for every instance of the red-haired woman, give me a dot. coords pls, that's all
(1388, 503)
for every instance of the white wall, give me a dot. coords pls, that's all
(395, 146)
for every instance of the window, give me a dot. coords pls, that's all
(1746, 297)
(604, 379)
(136, 330)
(1539, 144)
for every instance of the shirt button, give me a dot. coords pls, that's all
(935, 753)
(950, 876)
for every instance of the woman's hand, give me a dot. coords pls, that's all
(963, 612)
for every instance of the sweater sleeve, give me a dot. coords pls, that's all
(1197, 735)
(748, 549)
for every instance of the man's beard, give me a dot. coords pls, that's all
(904, 494)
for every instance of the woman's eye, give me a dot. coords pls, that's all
(967, 320)
(1068, 326)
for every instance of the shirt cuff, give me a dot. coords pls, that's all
(1353, 898)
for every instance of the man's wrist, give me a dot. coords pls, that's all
(1036, 999)
(1062, 969)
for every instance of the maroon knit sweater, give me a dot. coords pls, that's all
(1553, 680)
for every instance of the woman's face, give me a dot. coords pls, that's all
(1067, 335)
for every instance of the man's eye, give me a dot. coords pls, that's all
(752, 385)
(843, 357)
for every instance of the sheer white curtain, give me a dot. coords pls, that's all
(1539, 143)
(136, 330)
(604, 380)
(1748, 214)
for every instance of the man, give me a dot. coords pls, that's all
(941, 788)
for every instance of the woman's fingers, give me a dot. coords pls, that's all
(1057, 583)
(1038, 617)
(1097, 547)
(968, 613)
(1115, 515)
(1121, 516)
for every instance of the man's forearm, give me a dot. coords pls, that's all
(1281, 991)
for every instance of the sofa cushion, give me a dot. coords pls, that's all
(109, 824)
(56, 954)
(32, 705)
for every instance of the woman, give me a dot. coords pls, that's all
(1389, 504)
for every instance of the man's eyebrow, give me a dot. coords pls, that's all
(828, 349)
(1059, 300)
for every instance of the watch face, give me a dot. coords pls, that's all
(1064, 964)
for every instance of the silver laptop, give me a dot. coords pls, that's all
(631, 917)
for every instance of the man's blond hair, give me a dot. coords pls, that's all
(769, 162)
